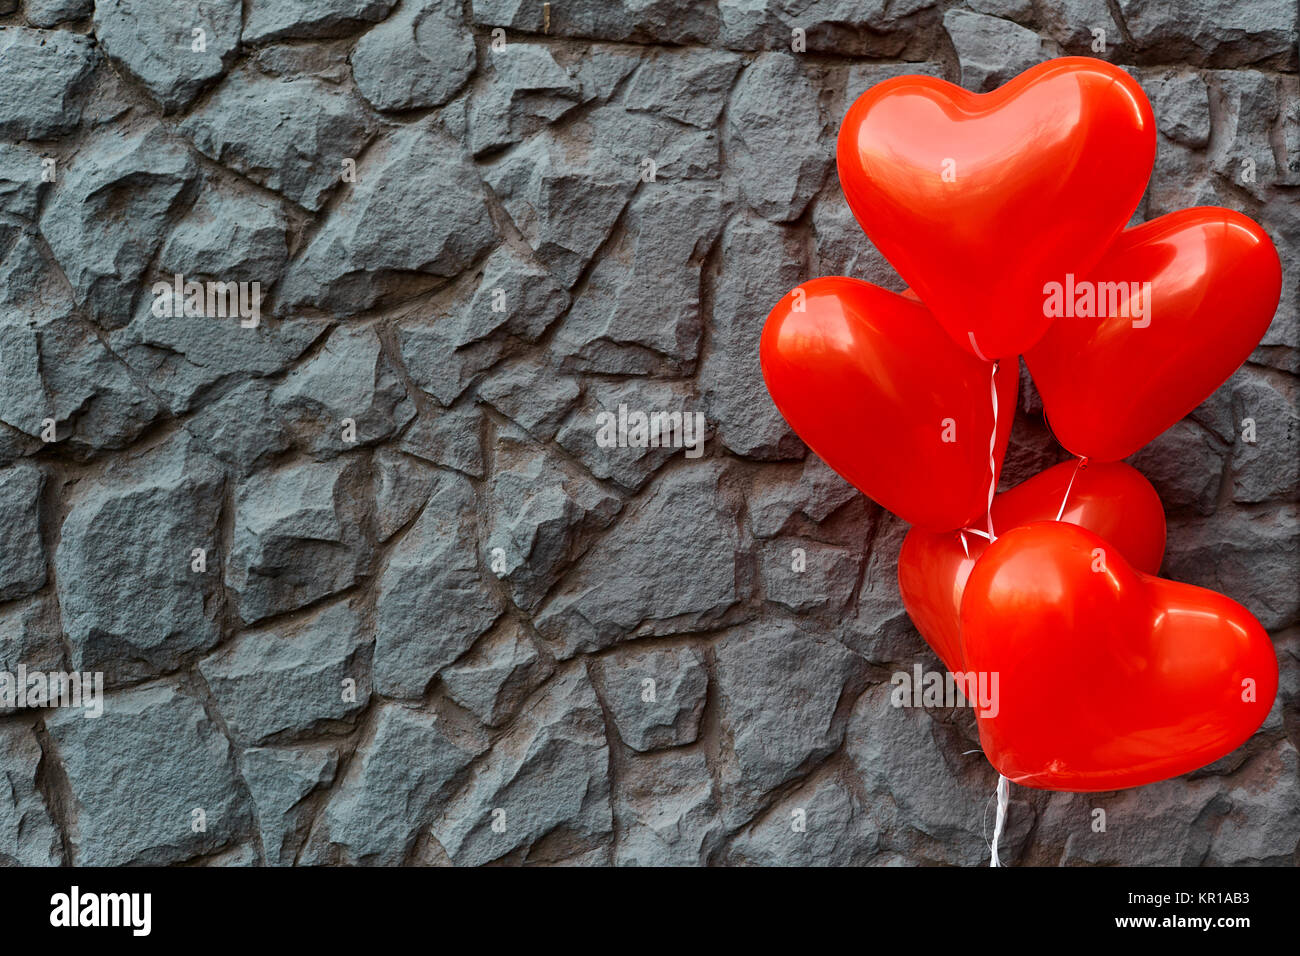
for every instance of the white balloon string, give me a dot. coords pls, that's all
(1080, 464)
(1003, 790)
(993, 440)
(1003, 795)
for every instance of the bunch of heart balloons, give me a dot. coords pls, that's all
(1006, 215)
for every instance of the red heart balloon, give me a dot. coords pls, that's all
(872, 385)
(1110, 499)
(1107, 677)
(980, 199)
(1187, 297)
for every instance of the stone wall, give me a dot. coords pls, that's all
(362, 583)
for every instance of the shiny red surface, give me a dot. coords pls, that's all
(866, 378)
(1046, 171)
(1106, 679)
(1109, 387)
(1112, 500)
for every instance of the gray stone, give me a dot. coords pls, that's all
(290, 135)
(1251, 556)
(396, 787)
(946, 818)
(879, 28)
(131, 604)
(174, 52)
(1185, 464)
(1181, 179)
(1267, 469)
(806, 575)
(280, 782)
(824, 823)
(597, 213)
(298, 536)
(432, 601)
(1072, 24)
(309, 19)
(525, 90)
(991, 50)
(49, 13)
(655, 697)
(348, 394)
(504, 668)
(775, 138)
(634, 465)
(27, 835)
(1032, 448)
(639, 312)
(436, 224)
(187, 359)
(417, 58)
(55, 367)
(45, 75)
(780, 692)
(241, 428)
(30, 635)
(22, 563)
(21, 185)
(511, 299)
(1262, 822)
(666, 810)
(1181, 102)
(863, 75)
(1018, 10)
(671, 565)
(565, 205)
(811, 490)
(141, 774)
(229, 237)
(603, 67)
(878, 628)
(402, 486)
(732, 382)
(679, 152)
(1213, 32)
(272, 685)
(139, 177)
(666, 21)
(451, 438)
(690, 86)
(548, 777)
(841, 248)
(532, 395)
(542, 513)
(1242, 149)
(1280, 347)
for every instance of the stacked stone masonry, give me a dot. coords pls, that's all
(364, 587)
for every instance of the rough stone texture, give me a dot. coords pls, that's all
(417, 58)
(144, 178)
(22, 565)
(303, 19)
(428, 600)
(992, 50)
(43, 74)
(289, 134)
(141, 773)
(132, 603)
(175, 51)
(272, 685)
(28, 836)
(299, 535)
(656, 698)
